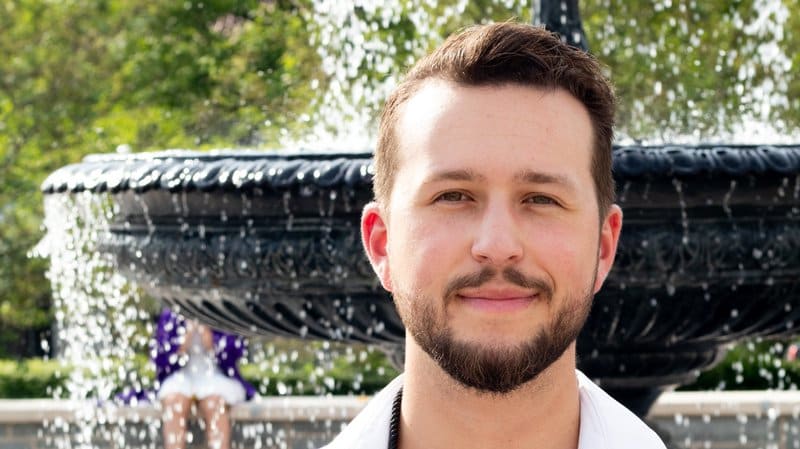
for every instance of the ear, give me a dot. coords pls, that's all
(609, 237)
(374, 236)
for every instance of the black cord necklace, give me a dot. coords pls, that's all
(394, 423)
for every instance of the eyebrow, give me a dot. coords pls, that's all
(534, 177)
(525, 176)
(455, 175)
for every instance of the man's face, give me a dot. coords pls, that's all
(490, 241)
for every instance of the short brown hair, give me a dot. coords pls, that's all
(507, 53)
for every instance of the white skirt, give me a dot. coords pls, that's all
(200, 385)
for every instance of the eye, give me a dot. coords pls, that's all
(541, 200)
(453, 196)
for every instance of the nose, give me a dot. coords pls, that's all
(498, 239)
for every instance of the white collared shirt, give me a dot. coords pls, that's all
(605, 423)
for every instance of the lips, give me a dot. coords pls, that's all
(497, 300)
(496, 294)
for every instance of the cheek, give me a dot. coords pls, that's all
(418, 252)
(569, 252)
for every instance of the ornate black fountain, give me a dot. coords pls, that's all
(268, 243)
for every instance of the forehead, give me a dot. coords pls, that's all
(500, 130)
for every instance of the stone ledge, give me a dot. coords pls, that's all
(728, 403)
(343, 408)
(289, 408)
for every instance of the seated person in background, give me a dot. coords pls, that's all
(792, 351)
(195, 363)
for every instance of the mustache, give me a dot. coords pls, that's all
(509, 274)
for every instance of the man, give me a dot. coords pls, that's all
(493, 226)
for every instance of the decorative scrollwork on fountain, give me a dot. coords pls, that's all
(287, 262)
(747, 251)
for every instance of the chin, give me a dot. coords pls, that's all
(493, 343)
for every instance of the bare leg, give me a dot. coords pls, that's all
(176, 408)
(218, 422)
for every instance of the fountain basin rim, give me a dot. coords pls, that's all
(232, 170)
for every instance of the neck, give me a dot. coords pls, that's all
(438, 413)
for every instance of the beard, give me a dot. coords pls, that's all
(493, 368)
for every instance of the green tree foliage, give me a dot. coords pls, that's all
(754, 365)
(80, 77)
